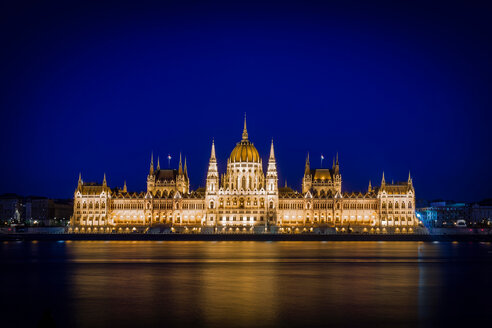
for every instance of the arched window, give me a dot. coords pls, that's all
(212, 204)
(78, 204)
(243, 184)
(271, 204)
(409, 204)
(390, 205)
(402, 205)
(384, 205)
(396, 205)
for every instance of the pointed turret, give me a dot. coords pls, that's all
(307, 180)
(383, 181)
(212, 174)
(124, 187)
(245, 130)
(369, 189)
(272, 176)
(104, 181)
(180, 168)
(185, 169)
(158, 164)
(151, 170)
(80, 182)
(285, 183)
(212, 153)
(333, 166)
(272, 152)
(409, 178)
(307, 170)
(336, 170)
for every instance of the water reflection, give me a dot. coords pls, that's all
(244, 284)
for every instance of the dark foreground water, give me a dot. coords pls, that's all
(246, 284)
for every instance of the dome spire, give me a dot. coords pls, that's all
(245, 130)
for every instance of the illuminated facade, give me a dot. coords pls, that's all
(244, 199)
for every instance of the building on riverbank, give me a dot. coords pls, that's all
(481, 212)
(35, 210)
(244, 199)
(444, 214)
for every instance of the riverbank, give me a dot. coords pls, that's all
(246, 237)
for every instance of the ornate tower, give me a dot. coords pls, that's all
(272, 186)
(151, 177)
(271, 177)
(307, 181)
(337, 177)
(212, 187)
(213, 173)
(182, 182)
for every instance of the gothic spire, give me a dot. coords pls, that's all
(369, 189)
(180, 168)
(272, 152)
(307, 170)
(245, 130)
(151, 170)
(185, 168)
(383, 182)
(212, 154)
(409, 178)
(124, 187)
(336, 169)
(104, 180)
(158, 164)
(80, 179)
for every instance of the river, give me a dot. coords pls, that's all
(245, 284)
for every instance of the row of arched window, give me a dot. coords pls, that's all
(91, 205)
(397, 206)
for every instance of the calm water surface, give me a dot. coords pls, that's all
(246, 284)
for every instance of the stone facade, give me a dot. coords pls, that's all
(244, 200)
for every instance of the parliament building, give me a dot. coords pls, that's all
(244, 200)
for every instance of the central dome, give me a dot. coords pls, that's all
(244, 151)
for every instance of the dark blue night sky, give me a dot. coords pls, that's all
(95, 87)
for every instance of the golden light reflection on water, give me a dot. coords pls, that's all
(264, 284)
(250, 283)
